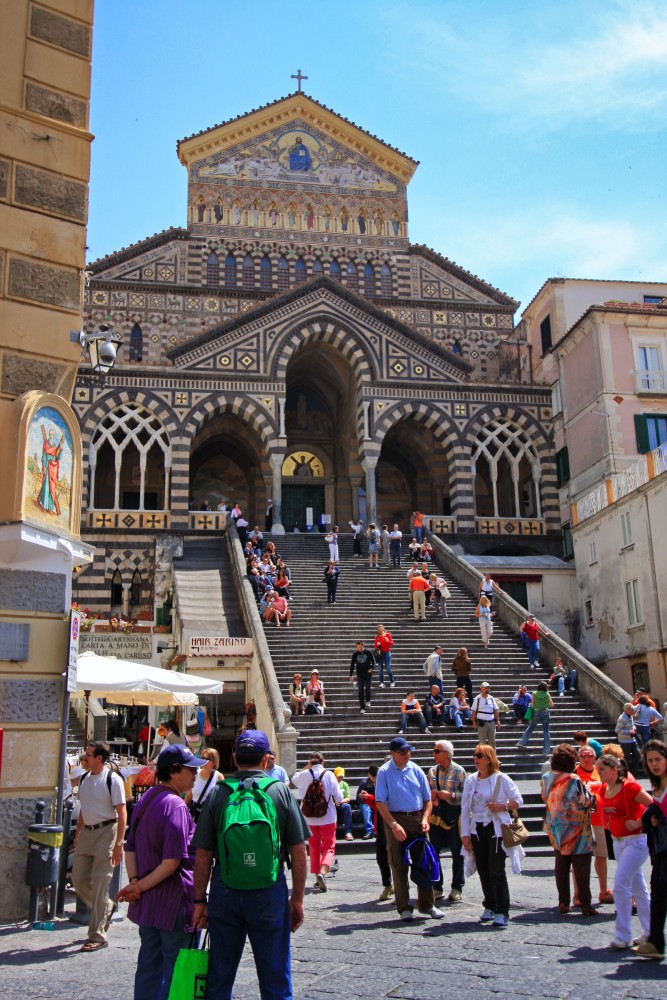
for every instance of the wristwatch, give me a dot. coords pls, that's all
(395, 823)
(135, 878)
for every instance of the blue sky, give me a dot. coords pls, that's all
(540, 127)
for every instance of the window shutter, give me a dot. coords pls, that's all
(641, 432)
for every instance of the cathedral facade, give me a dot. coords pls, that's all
(291, 343)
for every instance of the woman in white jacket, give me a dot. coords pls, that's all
(488, 796)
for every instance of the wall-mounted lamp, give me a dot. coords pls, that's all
(102, 348)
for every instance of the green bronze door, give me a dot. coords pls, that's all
(295, 501)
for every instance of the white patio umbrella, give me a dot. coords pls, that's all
(128, 682)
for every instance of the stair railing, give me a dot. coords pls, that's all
(263, 672)
(599, 689)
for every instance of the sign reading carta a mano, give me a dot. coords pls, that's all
(219, 645)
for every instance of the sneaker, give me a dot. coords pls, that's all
(562, 694)
(368, 836)
(368, 704)
(641, 940)
(487, 916)
(382, 686)
(393, 684)
(427, 731)
(435, 913)
(407, 915)
(321, 882)
(438, 892)
(520, 746)
(500, 920)
(647, 950)
(455, 896)
(617, 945)
(363, 711)
(386, 893)
(349, 836)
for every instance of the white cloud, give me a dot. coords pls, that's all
(602, 62)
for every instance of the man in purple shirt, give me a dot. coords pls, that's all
(160, 865)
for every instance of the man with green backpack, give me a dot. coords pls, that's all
(250, 826)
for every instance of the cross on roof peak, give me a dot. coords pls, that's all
(298, 76)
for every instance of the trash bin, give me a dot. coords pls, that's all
(44, 843)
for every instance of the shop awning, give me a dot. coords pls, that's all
(127, 682)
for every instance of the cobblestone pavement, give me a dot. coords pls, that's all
(351, 945)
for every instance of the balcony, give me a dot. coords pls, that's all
(651, 383)
(653, 464)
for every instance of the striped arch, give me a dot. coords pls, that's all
(344, 339)
(154, 404)
(437, 420)
(247, 409)
(127, 564)
(540, 452)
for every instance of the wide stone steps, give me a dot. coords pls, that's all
(323, 636)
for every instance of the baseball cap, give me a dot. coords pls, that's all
(177, 754)
(398, 743)
(485, 684)
(339, 772)
(252, 739)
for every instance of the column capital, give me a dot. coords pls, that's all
(369, 462)
(277, 459)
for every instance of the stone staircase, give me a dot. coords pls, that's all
(324, 636)
(204, 589)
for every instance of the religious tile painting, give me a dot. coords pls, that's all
(47, 486)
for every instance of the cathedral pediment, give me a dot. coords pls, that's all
(259, 342)
(264, 145)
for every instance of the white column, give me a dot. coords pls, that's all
(91, 480)
(536, 486)
(142, 480)
(369, 465)
(116, 492)
(281, 414)
(515, 480)
(493, 470)
(276, 462)
(367, 426)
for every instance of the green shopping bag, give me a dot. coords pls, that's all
(527, 717)
(189, 979)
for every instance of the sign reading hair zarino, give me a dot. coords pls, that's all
(219, 645)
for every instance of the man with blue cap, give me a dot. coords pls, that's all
(264, 915)
(403, 800)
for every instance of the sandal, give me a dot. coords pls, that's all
(575, 901)
(563, 908)
(94, 946)
(589, 911)
(607, 897)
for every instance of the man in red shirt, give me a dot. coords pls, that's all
(530, 636)
(383, 643)
(418, 587)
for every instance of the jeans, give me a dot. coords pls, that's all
(561, 685)
(345, 816)
(417, 716)
(444, 840)
(157, 957)
(418, 533)
(533, 651)
(364, 685)
(458, 717)
(436, 680)
(263, 916)
(331, 590)
(385, 663)
(631, 853)
(542, 715)
(465, 682)
(632, 757)
(490, 860)
(643, 733)
(395, 550)
(366, 817)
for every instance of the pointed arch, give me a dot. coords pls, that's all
(300, 272)
(130, 459)
(334, 270)
(247, 409)
(283, 274)
(248, 273)
(212, 270)
(506, 470)
(386, 282)
(343, 338)
(230, 271)
(266, 274)
(136, 343)
(317, 269)
(352, 277)
(369, 280)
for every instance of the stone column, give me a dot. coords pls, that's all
(369, 465)
(355, 483)
(276, 462)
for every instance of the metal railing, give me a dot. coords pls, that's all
(650, 381)
(605, 694)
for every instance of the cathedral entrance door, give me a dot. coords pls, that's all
(295, 499)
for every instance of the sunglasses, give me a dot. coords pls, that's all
(479, 756)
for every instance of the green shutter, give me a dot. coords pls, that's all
(641, 432)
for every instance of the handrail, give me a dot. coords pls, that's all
(607, 696)
(285, 733)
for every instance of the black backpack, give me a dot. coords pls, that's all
(314, 803)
